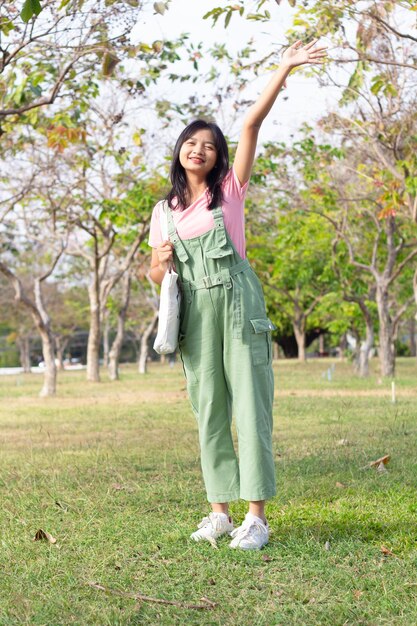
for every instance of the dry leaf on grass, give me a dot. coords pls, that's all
(340, 485)
(382, 461)
(43, 535)
(208, 604)
(267, 558)
(379, 464)
(213, 543)
(386, 552)
(62, 505)
(343, 442)
(357, 593)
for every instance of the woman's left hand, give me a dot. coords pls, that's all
(297, 54)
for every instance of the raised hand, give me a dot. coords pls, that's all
(165, 255)
(297, 54)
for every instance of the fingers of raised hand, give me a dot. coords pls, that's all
(317, 56)
(165, 251)
(312, 49)
(310, 44)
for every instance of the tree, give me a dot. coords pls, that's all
(121, 305)
(380, 244)
(117, 230)
(16, 326)
(35, 305)
(45, 61)
(298, 270)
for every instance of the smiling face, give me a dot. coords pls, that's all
(198, 153)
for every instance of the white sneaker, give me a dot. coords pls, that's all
(213, 526)
(252, 535)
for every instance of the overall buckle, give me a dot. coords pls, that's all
(226, 278)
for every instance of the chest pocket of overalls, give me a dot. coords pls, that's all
(219, 246)
(219, 253)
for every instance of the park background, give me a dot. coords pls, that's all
(92, 97)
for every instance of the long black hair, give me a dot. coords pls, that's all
(215, 176)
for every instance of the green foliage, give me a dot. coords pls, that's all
(402, 349)
(29, 9)
(239, 8)
(135, 207)
(381, 84)
(6, 25)
(227, 11)
(9, 358)
(356, 82)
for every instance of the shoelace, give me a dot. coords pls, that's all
(248, 529)
(211, 520)
(204, 522)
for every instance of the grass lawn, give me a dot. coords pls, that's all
(112, 472)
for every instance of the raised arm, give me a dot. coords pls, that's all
(295, 55)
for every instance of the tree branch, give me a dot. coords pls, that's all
(376, 17)
(401, 266)
(399, 314)
(373, 60)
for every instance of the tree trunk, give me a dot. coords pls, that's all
(106, 341)
(300, 337)
(365, 349)
(367, 344)
(412, 331)
(23, 343)
(415, 299)
(114, 354)
(386, 340)
(343, 347)
(356, 350)
(93, 344)
(61, 346)
(43, 324)
(143, 357)
(48, 352)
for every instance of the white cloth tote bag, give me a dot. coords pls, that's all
(166, 340)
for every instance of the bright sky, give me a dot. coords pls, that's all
(304, 100)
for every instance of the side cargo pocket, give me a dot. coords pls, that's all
(261, 340)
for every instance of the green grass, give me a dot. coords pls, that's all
(112, 471)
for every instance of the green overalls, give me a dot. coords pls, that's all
(225, 345)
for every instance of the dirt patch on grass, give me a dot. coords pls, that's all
(343, 393)
(67, 437)
(129, 398)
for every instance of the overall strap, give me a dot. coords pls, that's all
(219, 226)
(180, 250)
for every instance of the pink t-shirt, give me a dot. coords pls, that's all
(197, 219)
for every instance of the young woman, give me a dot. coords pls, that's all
(225, 341)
